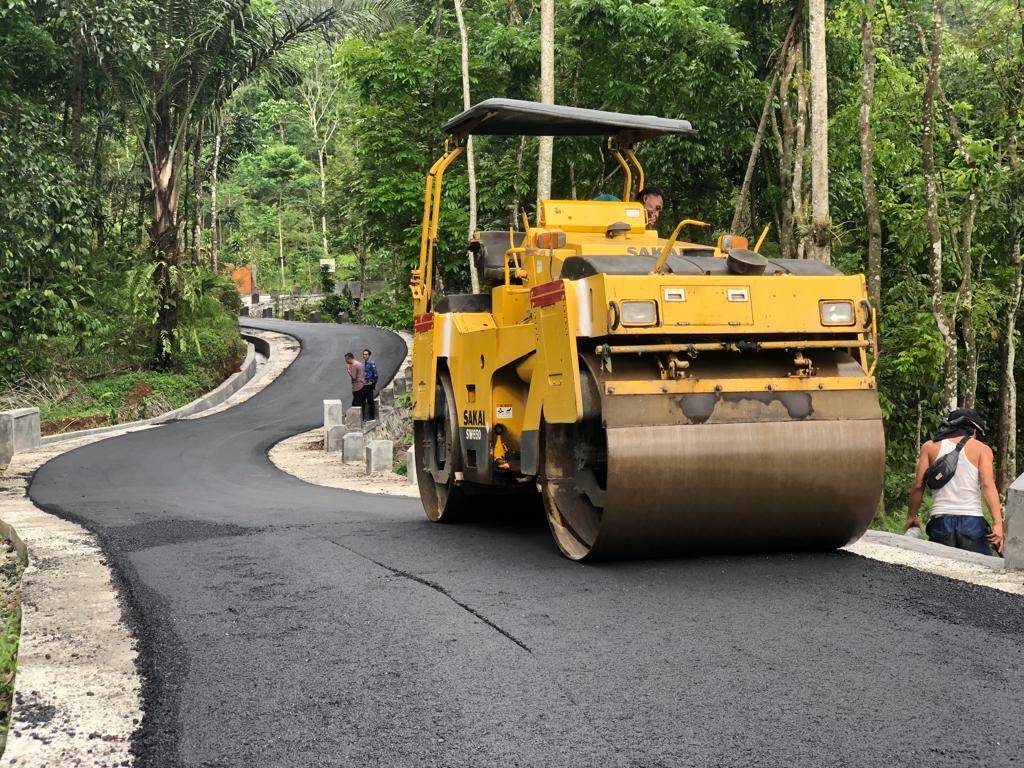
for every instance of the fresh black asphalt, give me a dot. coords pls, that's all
(284, 624)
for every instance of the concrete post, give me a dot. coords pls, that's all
(243, 312)
(1013, 526)
(19, 431)
(410, 465)
(352, 447)
(334, 425)
(314, 317)
(354, 417)
(408, 378)
(289, 314)
(379, 456)
(387, 397)
(268, 312)
(255, 298)
(334, 438)
(334, 413)
(398, 385)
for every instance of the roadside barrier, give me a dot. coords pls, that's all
(19, 431)
(1013, 526)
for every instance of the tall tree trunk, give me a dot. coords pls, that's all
(755, 150)
(1006, 445)
(965, 298)
(280, 242)
(762, 124)
(213, 198)
(77, 76)
(321, 160)
(949, 368)
(785, 141)
(470, 162)
(163, 234)
(966, 301)
(821, 236)
(99, 212)
(1006, 449)
(799, 147)
(197, 196)
(547, 96)
(872, 211)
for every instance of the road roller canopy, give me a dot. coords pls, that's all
(512, 117)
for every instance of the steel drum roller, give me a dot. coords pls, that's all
(713, 487)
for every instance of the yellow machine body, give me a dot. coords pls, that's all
(698, 409)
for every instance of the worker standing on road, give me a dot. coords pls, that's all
(370, 374)
(956, 518)
(355, 372)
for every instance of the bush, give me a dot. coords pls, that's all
(391, 308)
(212, 354)
(333, 305)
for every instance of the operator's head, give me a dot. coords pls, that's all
(653, 200)
(349, 357)
(366, 354)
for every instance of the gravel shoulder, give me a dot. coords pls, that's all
(303, 456)
(78, 695)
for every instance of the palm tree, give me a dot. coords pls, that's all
(198, 53)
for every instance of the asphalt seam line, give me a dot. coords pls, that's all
(439, 589)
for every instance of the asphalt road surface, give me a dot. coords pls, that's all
(284, 624)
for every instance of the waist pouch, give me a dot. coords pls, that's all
(942, 469)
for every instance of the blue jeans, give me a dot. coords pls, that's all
(961, 531)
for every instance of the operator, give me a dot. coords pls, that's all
(370, 374)
(355, 372)
(653, 200)
(956, 518)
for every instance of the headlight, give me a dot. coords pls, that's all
(639, 313)
(836, 312)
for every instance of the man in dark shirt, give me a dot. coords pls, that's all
(370, 374)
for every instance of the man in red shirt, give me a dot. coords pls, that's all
(355, 372)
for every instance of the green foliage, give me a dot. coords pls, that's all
(332, 305)
(387, 309)
(10, 635)
(327, 282)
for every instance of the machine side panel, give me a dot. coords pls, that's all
(557, 373)
(424, 366)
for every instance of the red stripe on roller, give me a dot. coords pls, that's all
(423, 323)
(549, 293)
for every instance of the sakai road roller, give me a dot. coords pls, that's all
(662, 396)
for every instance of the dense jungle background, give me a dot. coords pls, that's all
(148, 147)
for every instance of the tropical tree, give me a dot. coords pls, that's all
(195, 58)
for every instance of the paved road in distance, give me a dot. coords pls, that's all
(283, 624)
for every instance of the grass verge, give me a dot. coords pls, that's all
(11, 568)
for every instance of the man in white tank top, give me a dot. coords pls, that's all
(956, 518)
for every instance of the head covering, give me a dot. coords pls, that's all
(960, 422)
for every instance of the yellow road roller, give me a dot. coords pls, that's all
(662, 396)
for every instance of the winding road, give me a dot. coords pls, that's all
(285, 624)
